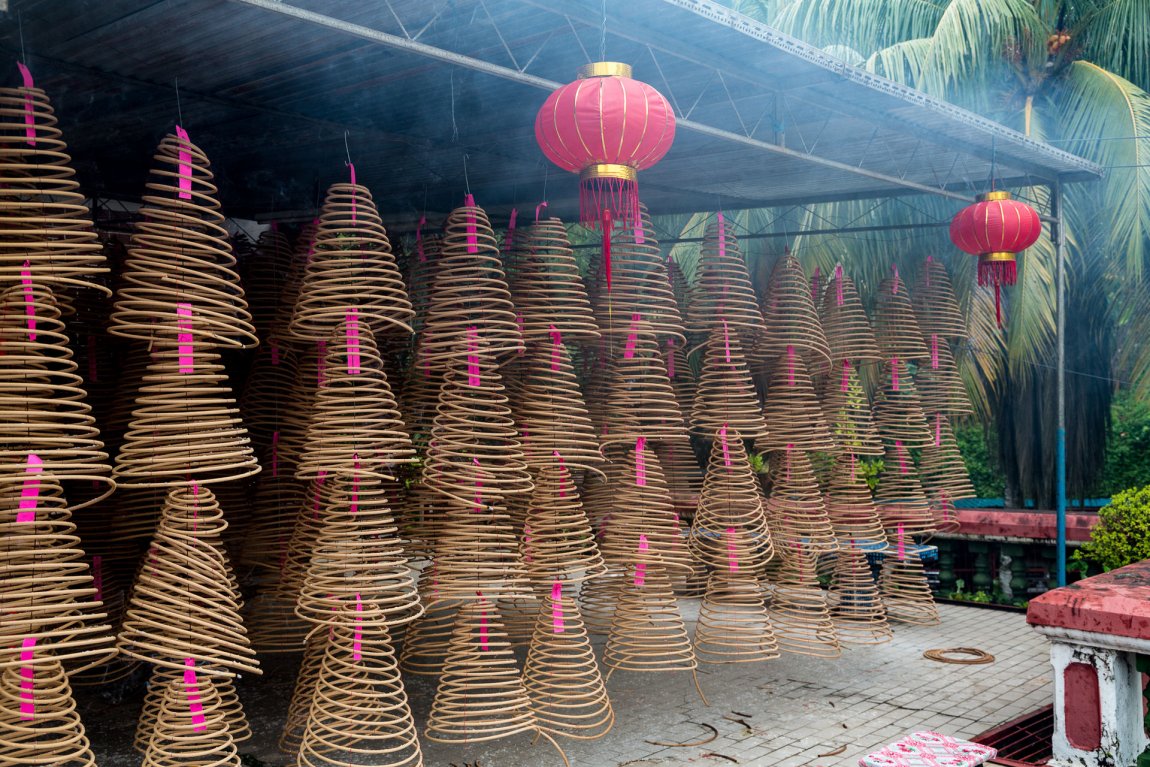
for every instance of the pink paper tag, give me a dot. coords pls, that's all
(732, 551)
(419, 239)
(938, 429)
(934, 351)
(27, 680)
(901, 453)
(352, 333)
(557, 607)
(726, 342)
(29, 299)
(894, 374)
(351, 168)
(901, 542)
(30, 493)
(632, 337)
(275, 347)
(839, 285)
(852, 467)
(192, 690)
(184, 166)
(184, 338)
(790, 366)
(472, 232)
(275, 453)
(894, 285)
(509, 239)
(722, 235)
(556, 345)
(472, 356)
(357, 637)
(640, 462)
(638, 231)
(671, 358)
(93, 368)
(538, 209)
(483, 646)
(846, 375)
(726, 449)
(29, 112)
(98, 576)
(641, 566)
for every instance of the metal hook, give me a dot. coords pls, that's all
(20, 26)
(346, 148)
(466, 180)
(179, 108)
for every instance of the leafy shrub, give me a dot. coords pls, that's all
(1127, 446)
(985, 474)
(1123, 532)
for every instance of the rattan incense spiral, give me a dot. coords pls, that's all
(723, 295)
(562, 675)
(733, 625)
(895, 325)
(267, 405)
(549, 291)
(855, 604)
(359, 713)
(425, 646)
(791, 319)
(268, 273)
(848, 412)
(191, 727)
(943, 474)
(39, 724)
(898, 413)
(729, 532)
(905, 591)
(180, 255)
(478, 550)
(229, 702)
(935, 304)
(46, 222)
(185, 424)
(845, 322)
(799, 609)
(355, 420)
(726, 392)
(303, 691)
(795, 510)
(682, 473)
(850, 507)
(899, 496)
(940, 386)
(357, 555)
(184, 604)
(294, 562)
(680, 373)
(351, 267)
(558, 542)
(792, 410)
(638, 400)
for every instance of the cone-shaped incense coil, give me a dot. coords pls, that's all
(359, 713)
(229, 703)
(550, 409)
(638, 400)
(267, 404)
(795, 510)
(895, 326)
(898, 413)
(478, 550)
(191, 727)
(562, 675)
(729, 532)
(48, 601)
(792, 410)
(906, 592)
(470, 291)
(643, 516)
(357, 555)
(733, 624)
(935, 304)
(351, 267)
(39, 724)
(848, 412)
(856, 607)
(557, 542)
(184, 604)
(274, 510)
(792, 322)
(845, 322)
(726, 392)
(294, 562)
(849, 504)
(549, 292)
(899, 496)
(428, 637)
(303, 692)
(799, 609)
(944, 476)
(355, 418)
(185, 424)
(680, 372)
(180, 256)
(723, 293)
(42, 211)
(268, 273)
(42, 397)
(939, 384)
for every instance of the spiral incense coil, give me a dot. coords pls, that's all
(679, 285)
(799, 611)
(723, 294)
(43, 214)
(474, 436)
(791, 319)
(895, 326)
(905, 591)
(855, 604)
(680, 373)
(191, 727)
(428, 637)
(848, 412)
(597, 598)
(179, 256)
(551, 412)
(39, 724)
(899, 496)
(941, 468)
(850, 507)
(357, 555)
(726, 392)
(47, 596)
(351, 266)
(562, 676)
(733, 625)
(229, 702)
(184, 604)
(558, 542)
(359, 713)
(266, 403)
(638, 400)
(549, 291)
(898, 412)
(792, 410)
(294, 562)
(303, 692)
(683, 474)
(519, 614)
(940, 386)
(935, 304)
(274, 510)
(729, 532)
(644, 516)
(355, 420)
(269, 270)
(479, 551)
(844, 321)
(795, 510)
(470, 291)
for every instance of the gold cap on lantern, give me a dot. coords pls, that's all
(604, 69)
(608, 170)
(998, 194)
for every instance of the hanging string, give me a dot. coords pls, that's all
(603, 35)
(466, 180)
(179, 108)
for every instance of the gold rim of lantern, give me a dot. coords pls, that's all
(998, 194)
(1001, 256)
(609, 170)
(604, 69)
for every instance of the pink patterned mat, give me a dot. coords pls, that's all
(930, 749)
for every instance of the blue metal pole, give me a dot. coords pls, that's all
(1060, 456)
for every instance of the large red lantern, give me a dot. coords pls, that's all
(606, 127)
(996, 229)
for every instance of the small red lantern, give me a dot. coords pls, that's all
(996, 229)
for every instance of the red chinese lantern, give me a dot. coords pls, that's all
(996, 229)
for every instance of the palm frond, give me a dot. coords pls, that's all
(864, 25)
(1115, 35)
(901, 62)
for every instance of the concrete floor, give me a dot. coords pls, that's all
(797, 707)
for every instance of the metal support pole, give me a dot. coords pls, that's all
(1059, 239)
